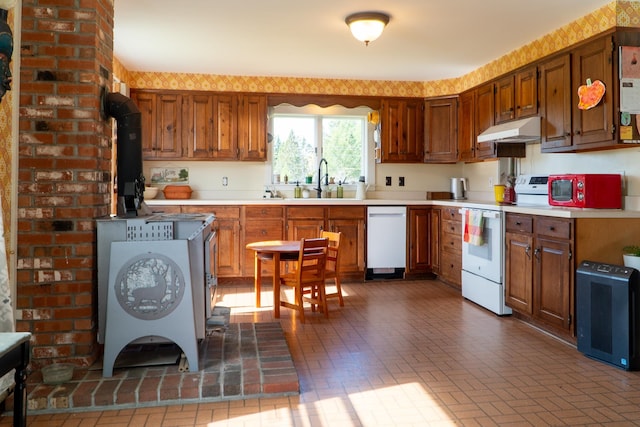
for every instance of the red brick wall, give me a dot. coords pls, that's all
(64, 164)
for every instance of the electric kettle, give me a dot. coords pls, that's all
(459, 188)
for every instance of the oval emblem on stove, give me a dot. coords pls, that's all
(149, 286)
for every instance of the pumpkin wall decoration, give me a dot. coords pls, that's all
(590, 94)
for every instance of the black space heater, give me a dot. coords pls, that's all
(608, 314)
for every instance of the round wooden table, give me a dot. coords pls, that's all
(275, 251)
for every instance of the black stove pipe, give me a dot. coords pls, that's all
(130, 180)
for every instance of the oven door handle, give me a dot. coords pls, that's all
(485, 214)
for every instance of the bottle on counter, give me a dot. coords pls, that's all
(340, 190)
(297, 191)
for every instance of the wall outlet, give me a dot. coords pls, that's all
(388, 181)
(401, 181)
(225, 181)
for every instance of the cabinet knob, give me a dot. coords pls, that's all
(527, 250)
(518, 223)
(552, 228)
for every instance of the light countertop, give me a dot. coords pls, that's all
(472, 204)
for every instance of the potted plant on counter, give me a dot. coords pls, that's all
(631, 256)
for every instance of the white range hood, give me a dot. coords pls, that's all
(524, 130)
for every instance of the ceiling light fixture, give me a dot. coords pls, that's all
(367, 26)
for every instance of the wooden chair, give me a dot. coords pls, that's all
(333, 263)
(308, 278)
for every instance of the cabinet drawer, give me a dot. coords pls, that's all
(258, 212)
(269, 229)
(553, 227)
(451, 268)
(452, 227)
(166, 209)
(519, 223)
(451, 213)
(303, 212)
(220, 212)
(346, 212)
(452, 243)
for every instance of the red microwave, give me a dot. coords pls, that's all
(602, 191)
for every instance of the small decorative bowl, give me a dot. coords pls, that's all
(150, 192)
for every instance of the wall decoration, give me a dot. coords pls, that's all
(169, 175)
(6, 48)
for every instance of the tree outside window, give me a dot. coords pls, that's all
(300, 141)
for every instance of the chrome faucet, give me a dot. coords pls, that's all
(326, 177)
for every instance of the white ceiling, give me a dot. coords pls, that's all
(425, 39)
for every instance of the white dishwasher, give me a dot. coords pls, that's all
(386, 242)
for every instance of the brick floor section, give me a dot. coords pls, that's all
(245, 360)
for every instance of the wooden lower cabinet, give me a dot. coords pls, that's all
(422, 240)
(260, 223)
(227, 224)
(451, 247)
(309, 221)
(435, 224)
(304, 222)
(539, 269)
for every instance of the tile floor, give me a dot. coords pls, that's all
(408, 354)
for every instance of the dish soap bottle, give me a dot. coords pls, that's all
(340, 190)
(297, 191)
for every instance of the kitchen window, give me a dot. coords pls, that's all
(302, 136)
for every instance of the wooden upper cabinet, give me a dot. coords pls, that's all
(466, 126)
(169, 124)
(505, 99)
(440, 130)
(565, 127)
(161, 124)
(526, 92)
(252, 127)
(516, 96)
(146, 103)
(225, 141)
(200, 126)
(484, 119)
(593, 61)
(402, 130)
(555, 103)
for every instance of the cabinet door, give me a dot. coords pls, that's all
(402, 131)
(225, 142)
(304, 228)
(526, 93)
(434, 241)
(505, 99)
(351, 243)
(440, 126)
(200, 126)
(252, 127)
(228, 247)
(555, 104)
(594, 61)
(419, 245)
(484, 119)
(146, 104)
(466, 126)
(169, 126)
(519, 272)
(552, 301)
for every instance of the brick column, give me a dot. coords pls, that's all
(64, 173)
